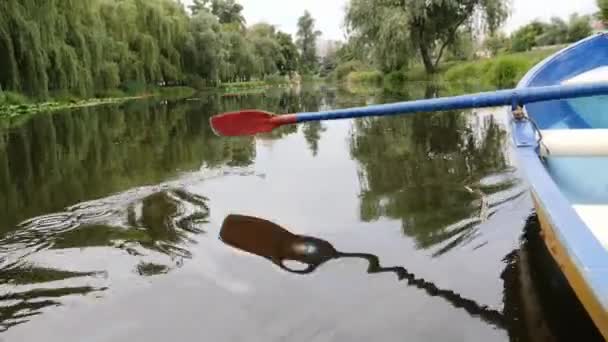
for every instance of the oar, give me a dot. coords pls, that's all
(249, 122)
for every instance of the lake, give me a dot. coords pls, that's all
(110, 219)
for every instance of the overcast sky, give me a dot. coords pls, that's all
(329, 13)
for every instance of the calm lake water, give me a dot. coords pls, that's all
(110, 220)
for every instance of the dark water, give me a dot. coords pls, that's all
(110, 217)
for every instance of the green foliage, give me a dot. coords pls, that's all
(175, 92)
(397, 32)
(329, 62)
(90, 48)
(557, 31)
(343, 70)
(80, 47)
(291, 58)
(267, 49)
(579, 27)
(507, 71)
(525, 38)
(603, 6)
(366, 77)
(500, 72)
(462, 47)
(497, 43)
(395, 78)
(276, 79)
(12, 98)
(307, 44)
(464, 71)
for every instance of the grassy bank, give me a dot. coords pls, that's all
(15, 104)
(502, 71)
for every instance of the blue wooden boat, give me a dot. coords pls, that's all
(562, 148)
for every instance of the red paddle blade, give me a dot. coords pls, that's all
(248, 122)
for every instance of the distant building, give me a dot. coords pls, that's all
(324, 47)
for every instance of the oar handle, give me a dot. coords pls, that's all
(488, 99)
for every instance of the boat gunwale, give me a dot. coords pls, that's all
(583, 258)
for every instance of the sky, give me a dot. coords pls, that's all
(329, 14)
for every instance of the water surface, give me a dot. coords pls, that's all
(110, 217)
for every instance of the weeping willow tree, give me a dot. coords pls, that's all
(85, 48)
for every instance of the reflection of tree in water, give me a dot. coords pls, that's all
(282, 102)
(51, 161)
(312, 133)
(55, 160)
(28, 304)
(425, 170)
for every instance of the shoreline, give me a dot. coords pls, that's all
(9, 111)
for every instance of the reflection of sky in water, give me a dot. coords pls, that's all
(97, 244)
(438, 195)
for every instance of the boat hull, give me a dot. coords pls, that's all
(571, 272)
(580, 253)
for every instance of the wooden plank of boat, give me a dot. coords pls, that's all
(565, 170)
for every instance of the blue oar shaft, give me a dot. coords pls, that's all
(509, 97)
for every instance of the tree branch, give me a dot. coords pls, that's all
(451, 35)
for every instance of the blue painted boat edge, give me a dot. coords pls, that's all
(582, 248)
(532, 73)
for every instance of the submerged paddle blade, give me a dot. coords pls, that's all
(275, 243)
(248, 122)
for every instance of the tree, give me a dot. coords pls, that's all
(556, 32)
(423, 28)
(329, 62)
(267, 48)
(58, 47)
(228, 12)
(462, 47)
(579, 27)
(203, 49)
(289, 50)
(90, 48)
(603, 13)
(496, 43)
(526, 37)
(200, 5)
(307, 43)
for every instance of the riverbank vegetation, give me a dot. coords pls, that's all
(454, 41)
(66, 49)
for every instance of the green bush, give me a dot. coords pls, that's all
(176, 93)
(367, 77)
(500, 72)
(395, 77)
(343, 70)
(133, 88)
(507, 71)
(64, 97)
(463, 72)
(276, 79)
(12, 98)
(110, 93)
